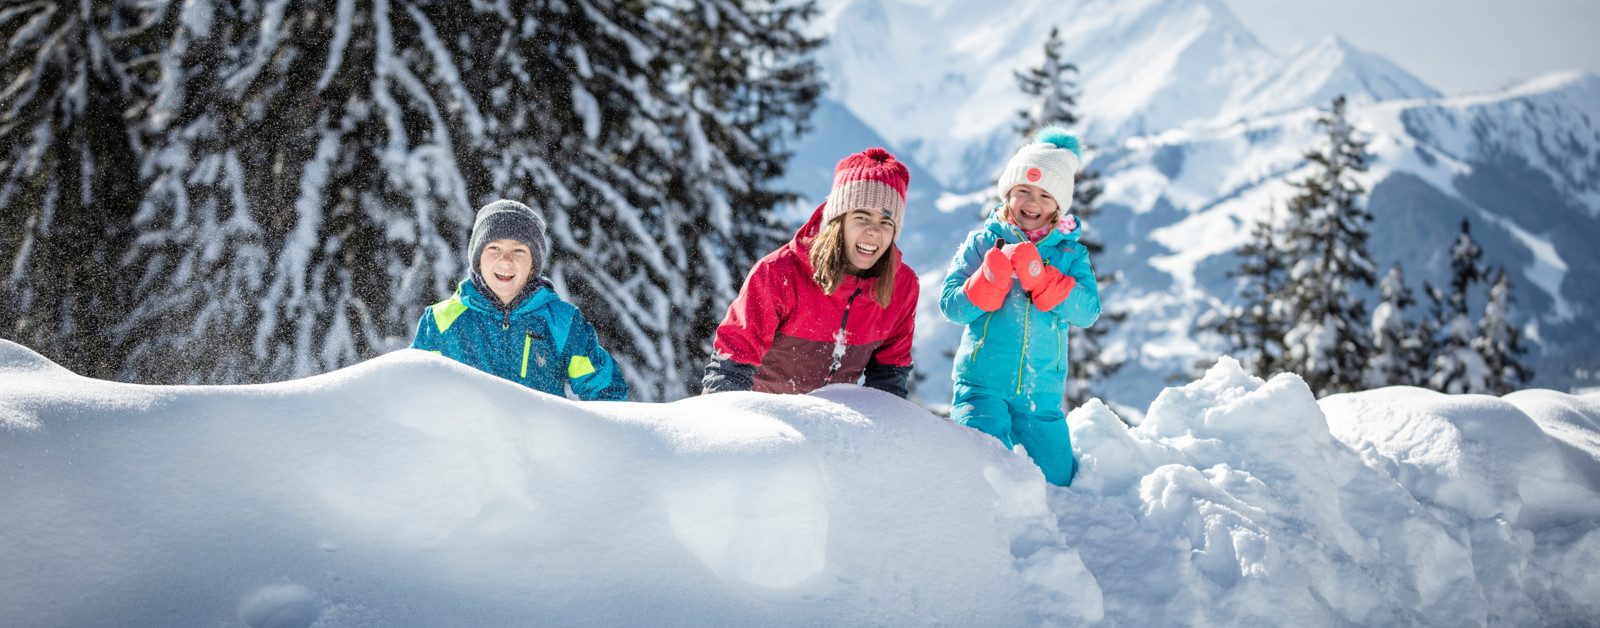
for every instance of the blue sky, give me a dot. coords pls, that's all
(1457, 46)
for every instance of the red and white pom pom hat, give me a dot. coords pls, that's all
(871, 179)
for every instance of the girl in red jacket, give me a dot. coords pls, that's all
(835, 304)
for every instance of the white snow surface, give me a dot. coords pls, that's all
(413, 490)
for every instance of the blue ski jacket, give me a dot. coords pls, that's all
(1019, 349)
(543, 344)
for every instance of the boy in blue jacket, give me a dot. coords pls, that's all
(1016, 284)
(506, 320)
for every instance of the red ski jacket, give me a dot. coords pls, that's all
(798, 338)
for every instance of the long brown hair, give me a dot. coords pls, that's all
(829, 263)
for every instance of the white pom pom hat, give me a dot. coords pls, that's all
(1050, 162)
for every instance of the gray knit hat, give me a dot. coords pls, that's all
(509, 220)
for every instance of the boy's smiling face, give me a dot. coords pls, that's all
(507, 266)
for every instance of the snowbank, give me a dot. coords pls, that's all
(411, 490)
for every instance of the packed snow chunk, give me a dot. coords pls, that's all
(280, 606)
(1270, 515)
(1263, 438)
(1110, 461)
(1229, 401)
(1478, 456)
(1216, 524)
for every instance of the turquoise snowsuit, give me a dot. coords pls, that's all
(543, 344)
(1011, 368)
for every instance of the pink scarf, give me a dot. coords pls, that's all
(1067, 224)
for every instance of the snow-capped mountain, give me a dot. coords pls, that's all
(935, 77)
(1316, 74)
(1198, 129)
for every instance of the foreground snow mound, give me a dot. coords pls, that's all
(412, 490)
(1516, 478)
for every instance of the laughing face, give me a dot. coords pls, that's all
(1031, 207)
(868, 233)
(507, 265)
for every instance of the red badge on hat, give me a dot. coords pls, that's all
(1034, 174)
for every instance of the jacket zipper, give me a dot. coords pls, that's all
(1022, 358)
(844, 320)
(982, 337)
(1060, 346)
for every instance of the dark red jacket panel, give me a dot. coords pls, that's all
(784, 324)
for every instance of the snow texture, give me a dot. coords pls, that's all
(413, 490)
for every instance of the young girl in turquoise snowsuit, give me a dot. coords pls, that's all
(1016, 284)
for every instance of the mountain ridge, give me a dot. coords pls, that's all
(929, 80)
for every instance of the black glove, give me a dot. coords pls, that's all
(726, 375)
(889, 379)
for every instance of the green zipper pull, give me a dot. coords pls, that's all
(527, 344)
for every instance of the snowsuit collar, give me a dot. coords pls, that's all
(1067, 230)
(476, 279)
(538, 293)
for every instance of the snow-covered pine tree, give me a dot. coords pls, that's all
(1426, 339)
(1255, 329)
(1499, 342)
(1394, 338)
(1052, 92)
(319, 165)
(304, 196)
(1054, 95)
(1456, 367)
(1328, 340)
(67, 175)
(664, 204)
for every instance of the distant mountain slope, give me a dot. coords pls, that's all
(1199, 129)
(1514, 166)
